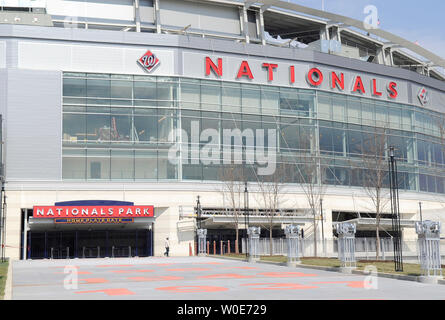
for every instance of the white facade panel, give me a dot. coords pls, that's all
(34, 125)
(90, 58)
(2, 54)
(200, 16)
(99, 9)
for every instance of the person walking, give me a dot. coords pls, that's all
(167, 247)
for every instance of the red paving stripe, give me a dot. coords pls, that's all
(156, 264)
(141, 279)
(244, 268)
(193, 289)
(114, 265)
(78, 272)
(279, 286)
(131, 271)
(110, 292)
(352, 284)
(59, 267)
(189, 269)
(208, 263)
(225, 276)
(286, 274)
(93, 280)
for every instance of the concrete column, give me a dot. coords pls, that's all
(157, 17)
(137, 16)
(244, 24)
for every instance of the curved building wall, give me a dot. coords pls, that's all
(95, 125)
(118, 127)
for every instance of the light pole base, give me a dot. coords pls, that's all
(429, 279)
(202, 254)
(253, 259)
(347, 270)
(293, 263)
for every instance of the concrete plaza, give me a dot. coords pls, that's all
(199, 278)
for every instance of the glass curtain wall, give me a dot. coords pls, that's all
(119, 127)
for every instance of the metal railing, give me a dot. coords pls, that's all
(365, 248)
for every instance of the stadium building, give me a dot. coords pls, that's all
(93, 90)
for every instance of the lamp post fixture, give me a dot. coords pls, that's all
(420, 211)
(394, 190)
(198, 214)
(246, 217)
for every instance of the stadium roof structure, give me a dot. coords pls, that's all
(267, 22)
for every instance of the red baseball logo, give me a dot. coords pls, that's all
(423, 96)
(149, 61)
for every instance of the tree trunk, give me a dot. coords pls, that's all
(270, 241)
(377, 239)
(315, 235)
(236, 238)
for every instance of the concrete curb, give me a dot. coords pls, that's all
(335, 269)
(8, 286)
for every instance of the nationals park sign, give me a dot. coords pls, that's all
(93, 211)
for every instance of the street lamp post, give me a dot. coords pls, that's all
(394, 190)
(246, 217)
(420, 211)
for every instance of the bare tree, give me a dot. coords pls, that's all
(232, 191)
(375, 175)
(271, 195)
(311, 173)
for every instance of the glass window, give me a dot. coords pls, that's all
(338, 108)
(166, 123)
(166, 93)
(121, 89)
(394, 117)
(210, 95)
(251, 98)
(270, 101)
(324, 107)
(355, 143)
(354, 110)
(368, 112)
(407, 120)
(74, 164)
(381, 115)
(292, 102)
(145, 90)
(98, 164)
(431, 180)
(74, 87)
(290, 134)
(99, 128)
(325, 140)
(122, 127)
(146, 164)
(231, 97)
(423, 185)
(192, 172)
(190, 94)
(166, 170)
(399, 143)
(98, 88)
(122, 164)
(145, 126)
(74, 128)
